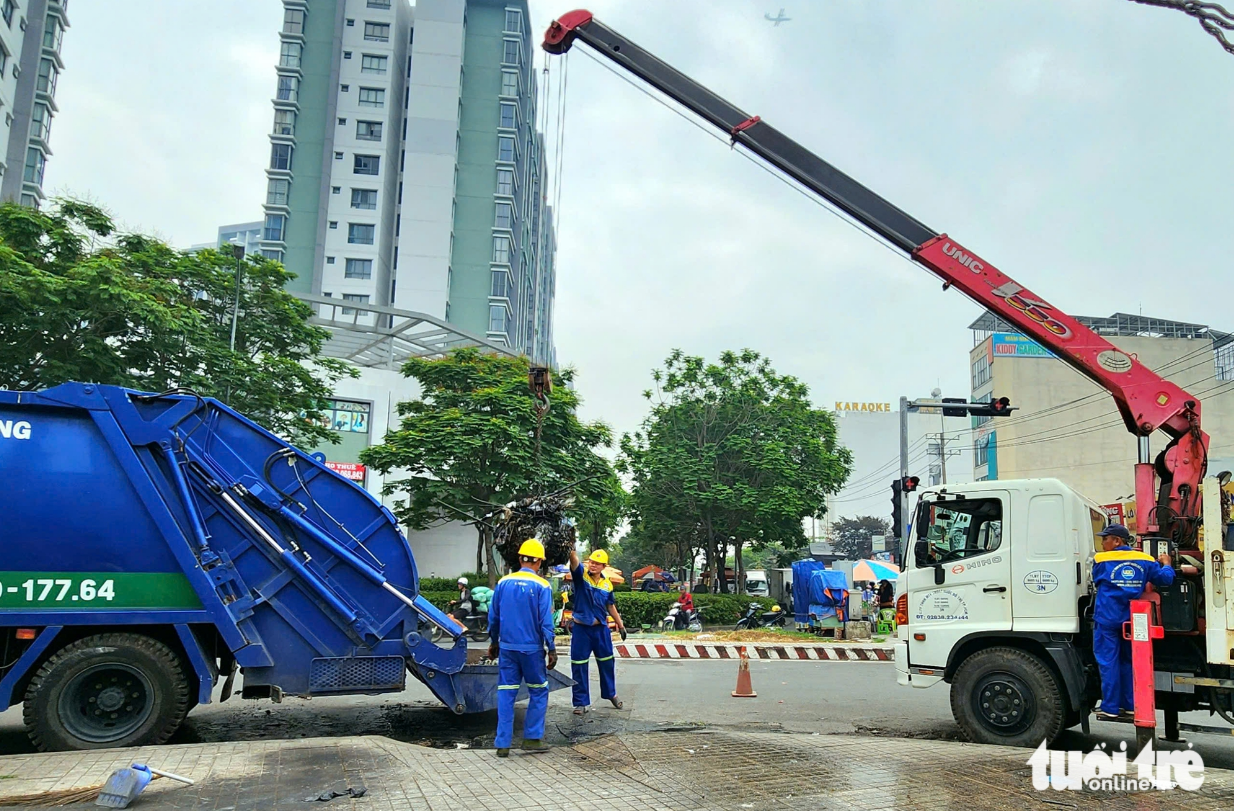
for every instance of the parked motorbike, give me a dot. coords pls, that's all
(678, 619)
(756, 617)
(477, 625)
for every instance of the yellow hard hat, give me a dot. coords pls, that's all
(531, 549)
(599, 556)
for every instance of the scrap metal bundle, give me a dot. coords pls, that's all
(540, 517)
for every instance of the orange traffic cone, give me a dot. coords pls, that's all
(744, 688)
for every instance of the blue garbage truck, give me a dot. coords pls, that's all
(154, 545)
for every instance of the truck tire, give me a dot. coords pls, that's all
(105, 691)
(1008, 697)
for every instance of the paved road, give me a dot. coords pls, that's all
(793, 696)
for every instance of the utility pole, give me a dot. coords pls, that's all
(902, 542)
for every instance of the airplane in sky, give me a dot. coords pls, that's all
(779, 18)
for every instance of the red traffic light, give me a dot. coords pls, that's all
(909, 483)
(1000, 407)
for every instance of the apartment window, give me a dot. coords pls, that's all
(357, 298)
(981, 450)
(293, 21)
(1225, 359)
(47, 77)
(501, 284)
(4, 60)
(373, 64)
(501, 250)
(509, 83)
(505, 149)
(40, 117)
(358, 269)
(347, 54)
(336, 189)
(377, 32)
(338, 156)
(275, 224)
(514, 21)
(270, 253)
(497, 318)
(364, 198)
(35, 162)
(276, 191)
(981, 372)
(505, 182)
(289, 54)
(368, 130)
(378, 3)
(360, 234)
(280, 157)
(344, 87)
(508, 116)
(7, 12)
(342, 122)
(333, 225)
(289, 88)
(372, 97)
(284, 122)
(512, 51)
(329, 260)
(351, 23)
(367, 164)
(505, 216)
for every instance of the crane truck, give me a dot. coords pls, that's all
(1003, 613)
(156, 544)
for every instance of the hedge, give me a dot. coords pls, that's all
(451, 583)
(639, 608)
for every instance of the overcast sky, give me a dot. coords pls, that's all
(1080, 145)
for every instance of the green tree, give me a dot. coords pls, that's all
(732, 455)
(470, 443)
(79, 301)
(851, 537)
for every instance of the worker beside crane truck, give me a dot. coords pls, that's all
(1003, 610)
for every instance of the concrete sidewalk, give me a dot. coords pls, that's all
(653, 771)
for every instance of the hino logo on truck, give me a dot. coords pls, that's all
(14, 430)
(967, 260)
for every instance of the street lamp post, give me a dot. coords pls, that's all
(237, 250)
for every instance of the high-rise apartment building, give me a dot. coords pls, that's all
(245, 234)
(30, 66)
(405, 168)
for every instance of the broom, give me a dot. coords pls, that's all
(67, 796)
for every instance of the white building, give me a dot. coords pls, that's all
(30, 66)
(871, 431)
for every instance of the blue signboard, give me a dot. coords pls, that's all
(1013, 345)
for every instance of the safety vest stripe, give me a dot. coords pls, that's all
(537, 686)
(507, 686)
(534, 578)
(604, 659)
(579, 661)
(1122, 554)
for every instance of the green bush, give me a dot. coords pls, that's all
(639, 608)
(451, 583)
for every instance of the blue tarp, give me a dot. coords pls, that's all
(802, 570)
(828, 593)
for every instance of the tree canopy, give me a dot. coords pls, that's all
(733, 454)
(80, 301)
(851, 537)
(469, 444)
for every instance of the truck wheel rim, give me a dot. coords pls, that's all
(1004, 703)
(106, 703)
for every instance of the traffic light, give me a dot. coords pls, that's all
(962, 411)
(909, 483)
(897, 515)
(997, 407)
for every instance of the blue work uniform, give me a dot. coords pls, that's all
(520, 619)
(590, 634)
(1120, 576)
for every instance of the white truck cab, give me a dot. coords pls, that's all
(995, 585)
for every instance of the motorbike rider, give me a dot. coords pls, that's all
(463, 605)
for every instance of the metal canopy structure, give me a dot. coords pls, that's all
(1124, 324)
(378, 337)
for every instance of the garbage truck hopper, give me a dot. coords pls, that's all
(156, 543)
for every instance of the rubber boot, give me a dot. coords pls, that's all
(535, 746)
(503, 753)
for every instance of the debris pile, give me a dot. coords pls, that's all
(540, 517)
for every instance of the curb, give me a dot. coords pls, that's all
(824, 653)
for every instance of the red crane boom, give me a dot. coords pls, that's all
(1146, 401)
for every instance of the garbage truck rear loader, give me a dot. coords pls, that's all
(155, 544)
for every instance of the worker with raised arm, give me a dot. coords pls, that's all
(1120, 574)
(520, 619)
(593, 605)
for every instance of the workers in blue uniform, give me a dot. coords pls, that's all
(1120, 574)
(520, 619)
(593, 605)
